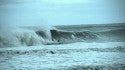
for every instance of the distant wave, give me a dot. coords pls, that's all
(113, 35)
(114, 32)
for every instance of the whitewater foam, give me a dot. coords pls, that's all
(20, 36)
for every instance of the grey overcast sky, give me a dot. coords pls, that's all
(61, 12)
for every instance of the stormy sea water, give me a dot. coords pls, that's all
(64, 47)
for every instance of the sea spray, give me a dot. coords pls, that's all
(42, 31)
(28, 37)
(7, 38)
(24, 36)
(47, 29)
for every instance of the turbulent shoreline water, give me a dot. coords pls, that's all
(76, 56)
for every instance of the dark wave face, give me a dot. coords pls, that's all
(66, 37)
(41, 33)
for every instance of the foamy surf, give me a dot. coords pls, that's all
(84, 56)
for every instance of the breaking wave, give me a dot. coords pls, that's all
(19, 37)
(38, 36)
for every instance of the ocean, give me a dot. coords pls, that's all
(63, 47)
